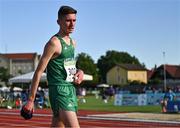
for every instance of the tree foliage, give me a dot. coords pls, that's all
(112, 58)
(86, 63)
(4, 74)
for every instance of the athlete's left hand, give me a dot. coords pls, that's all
(78, 77)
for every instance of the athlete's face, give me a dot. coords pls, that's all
(67, 23)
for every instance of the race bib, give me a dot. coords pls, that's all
(70, 67)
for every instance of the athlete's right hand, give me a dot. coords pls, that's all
(78, 77)
(29, 106)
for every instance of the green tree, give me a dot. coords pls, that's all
(86, 63)
(112, 58)
(4, 74)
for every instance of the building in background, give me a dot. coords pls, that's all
(19, 63)
(123, 73)
(172, 73)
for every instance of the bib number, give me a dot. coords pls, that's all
(70, 67)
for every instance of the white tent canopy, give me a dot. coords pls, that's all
(103, 85)
(26, 78)
(17, 89)
(87, 77)
(4, 89)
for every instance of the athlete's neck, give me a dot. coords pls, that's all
(63, 34)
(65, 37)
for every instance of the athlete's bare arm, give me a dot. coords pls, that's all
(51, 50)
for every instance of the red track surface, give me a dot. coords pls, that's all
(42, 118)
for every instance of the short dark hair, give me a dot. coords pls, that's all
(64, 10)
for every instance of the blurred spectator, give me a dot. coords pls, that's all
(39, 100)
(18, 102)
(111, 92)
(168, 96)
(96, 93)
(104, 98)
(24, 96)
(104, 95)
(46, 98)
(2, 99)
(81, 95)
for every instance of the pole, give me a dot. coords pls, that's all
(164, 72)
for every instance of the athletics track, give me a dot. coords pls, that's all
(42, 118)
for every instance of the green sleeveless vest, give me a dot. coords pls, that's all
(56, 73)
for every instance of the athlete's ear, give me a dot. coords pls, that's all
(58, 21)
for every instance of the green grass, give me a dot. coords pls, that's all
(97, 104)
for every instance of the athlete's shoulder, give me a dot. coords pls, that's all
(54, 41)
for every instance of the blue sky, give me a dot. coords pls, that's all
(143, 28)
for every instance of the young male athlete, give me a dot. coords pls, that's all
(62, 76)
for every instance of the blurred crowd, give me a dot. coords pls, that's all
(16, 99)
